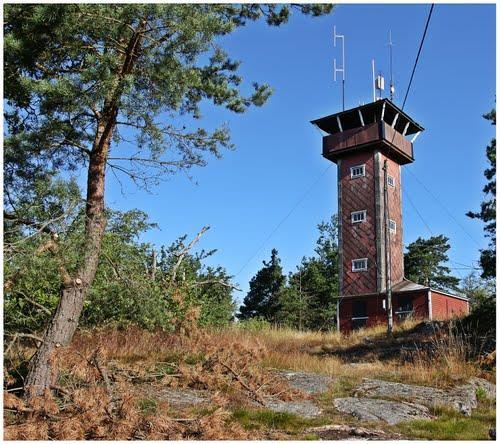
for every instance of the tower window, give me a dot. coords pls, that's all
(358, 216)
(357, 171)
(392, 226)
(360, 264)
(391, 181)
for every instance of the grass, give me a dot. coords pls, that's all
(266, 420)
(147, 406)
(451, 425)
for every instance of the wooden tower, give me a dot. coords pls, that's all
(369, 143)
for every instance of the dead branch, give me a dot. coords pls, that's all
(185, 251)
(215, 281)
(16, 336)
(94, 361)
(253, 392)
(33, 302)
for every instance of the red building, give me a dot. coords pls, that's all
(369, 144)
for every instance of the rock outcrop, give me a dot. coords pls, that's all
(391, 412)
(462, 398)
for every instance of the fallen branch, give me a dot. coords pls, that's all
(256, 396)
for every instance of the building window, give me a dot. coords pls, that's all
(360, 264)
(357, 171)
(392, 226)
(358, 216)
(391, 181)
(359, 315)
(404, 308)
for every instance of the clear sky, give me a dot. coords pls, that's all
(277, 159)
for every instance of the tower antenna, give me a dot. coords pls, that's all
(391, 84)
(342, 69)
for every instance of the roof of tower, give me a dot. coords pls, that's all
(371, 112)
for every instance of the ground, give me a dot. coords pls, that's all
(254, 383)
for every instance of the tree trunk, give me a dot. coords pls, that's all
(65, 320)
(58, 333)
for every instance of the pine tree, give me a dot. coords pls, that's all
(308, 301)
(488, 208)
(424, 260)
(81, 78)
(262, 300)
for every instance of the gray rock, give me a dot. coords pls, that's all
(391, 412)
(462, 398)
(183, 397)
(346, 432)
(486, 386)
(312, 383)
(306, 409)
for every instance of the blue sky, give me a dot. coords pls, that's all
(244, 196)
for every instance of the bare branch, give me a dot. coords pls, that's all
(216, 281)
(185, 251)
(33, 302)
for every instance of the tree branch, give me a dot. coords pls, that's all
(185, 251)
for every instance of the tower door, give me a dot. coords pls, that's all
(359, 314)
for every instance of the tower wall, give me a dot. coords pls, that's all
(366, 239)
(358, 239)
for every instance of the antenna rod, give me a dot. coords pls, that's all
(373, 79)
(391, 86)
(335, 69)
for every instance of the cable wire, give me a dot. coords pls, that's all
(282, 221)
(418, 55)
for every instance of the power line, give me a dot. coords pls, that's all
(450, 214)
(418, 54)
(418, 212)
(282, 221)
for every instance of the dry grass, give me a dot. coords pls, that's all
(234, 364)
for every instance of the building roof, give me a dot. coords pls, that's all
(371, 112)
(406, 286)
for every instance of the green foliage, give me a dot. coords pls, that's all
(254, 324)
(66, 64)
(123, 291)
(477, 289)
(424, 260)
(488, 208)
(306, 299)
(263, 298)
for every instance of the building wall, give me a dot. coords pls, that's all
(358, 240)
(375, 309)
(445, 307)
(366, 239)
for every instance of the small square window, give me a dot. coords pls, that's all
(357, 171)
(392, 226)
(391, 181)
(358, 216)
(360, 264)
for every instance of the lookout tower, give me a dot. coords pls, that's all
(369, 144)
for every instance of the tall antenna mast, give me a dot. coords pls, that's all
(342, 69)
(391, 85)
